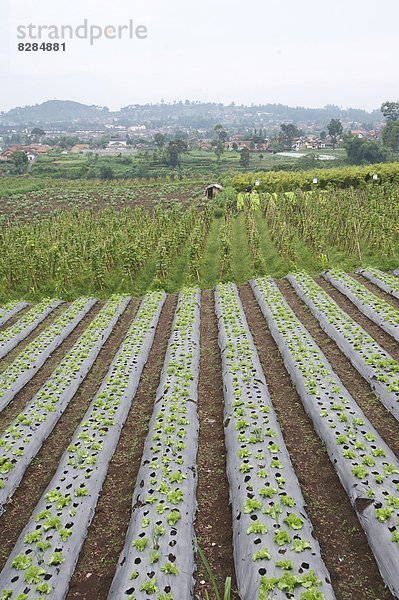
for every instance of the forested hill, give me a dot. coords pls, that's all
(183, 113)
(54, 111)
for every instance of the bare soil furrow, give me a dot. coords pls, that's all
(213, 524)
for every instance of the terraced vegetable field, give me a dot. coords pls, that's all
(257, 422)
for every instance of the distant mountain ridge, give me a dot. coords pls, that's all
(183, 114)
(54, 111)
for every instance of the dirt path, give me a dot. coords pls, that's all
(213, 524)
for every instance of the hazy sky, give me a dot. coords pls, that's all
(307, 52)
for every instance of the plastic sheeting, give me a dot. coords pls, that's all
(358, 453)
(24, 436)
(377, 310)
(373, 363)
(63, 514)
(382, 280)
(7, 314)
(25, 326)
(33, 356)
(166, 483)
(268, 509)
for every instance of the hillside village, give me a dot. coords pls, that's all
(131, 139)
(159, 136)
(75, 127)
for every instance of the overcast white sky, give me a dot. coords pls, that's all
(297, 52)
